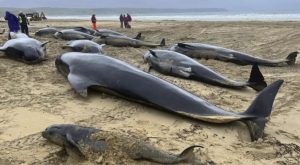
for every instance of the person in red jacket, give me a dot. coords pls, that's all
(94, 20)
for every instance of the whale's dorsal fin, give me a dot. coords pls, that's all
(183, 45)
(182, 71)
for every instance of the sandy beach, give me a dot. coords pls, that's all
(33, 97)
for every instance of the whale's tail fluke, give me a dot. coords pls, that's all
(256, 80)
(260, 109)
(291, 58)
(187, 155)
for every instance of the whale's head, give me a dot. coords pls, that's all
(150, 57)
(62, 134)
(147, 56)
(62, 66)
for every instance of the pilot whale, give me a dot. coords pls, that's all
(198, 50)
(112, 76)
(177, 64)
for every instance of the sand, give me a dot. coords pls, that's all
(33, 97)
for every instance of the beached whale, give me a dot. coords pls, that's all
(88, 142)
(48, 31)
(28, 50)
(107, 32)
(85, 30)
(85, 46)
(103, 32)
(117, 40)
(176, 64)
(198, 50)
(118, 78)
(70, 34)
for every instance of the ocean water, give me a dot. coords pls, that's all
(211, 16)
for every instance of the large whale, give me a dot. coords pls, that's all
(176, 64)
(198, 50)
(70, 34)
(117, 40)
(87, 141)
(28, 50)
(118, 78)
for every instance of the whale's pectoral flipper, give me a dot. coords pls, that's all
(291, 58)
(260, 110)
(182, 71)
(101, 46)
(80, 84)
(225, 57)
(256, 80)
(44, 43)
(72, 148)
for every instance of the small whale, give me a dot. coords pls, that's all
(205, 51)
(87, 141)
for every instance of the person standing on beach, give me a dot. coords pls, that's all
(121, 20)
(126, 22)
(23, 22)
(94, 20)
(127, 19)
(13, 23)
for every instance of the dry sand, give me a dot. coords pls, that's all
(33, 97)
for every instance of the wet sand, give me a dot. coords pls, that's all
(33, 97)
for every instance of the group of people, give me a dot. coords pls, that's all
(124, 20)
(14, 22)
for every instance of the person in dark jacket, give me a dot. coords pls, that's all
(13, 22)
(23, 22)
(122, 20)
(94, 20)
